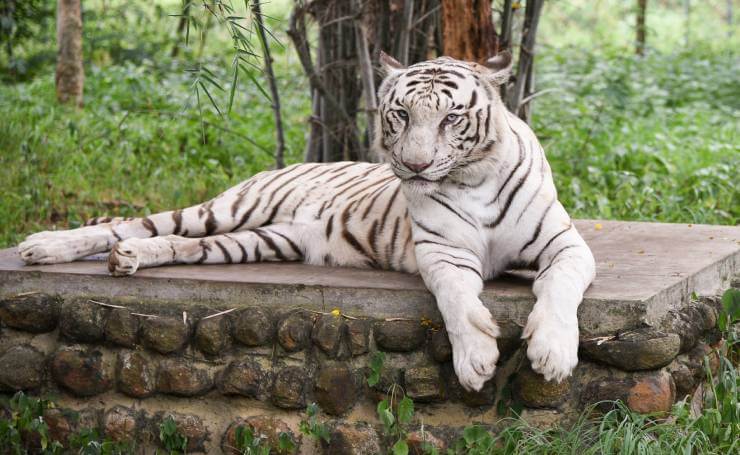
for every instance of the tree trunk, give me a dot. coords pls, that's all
(640, 27)
(467, 28)
(524, 84)
(70, 74)
(183, 26)
(349, 36)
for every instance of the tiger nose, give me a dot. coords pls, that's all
(417, 167)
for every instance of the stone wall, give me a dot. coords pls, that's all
(122, 366)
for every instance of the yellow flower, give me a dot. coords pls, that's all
(336, 312)
(598, 226)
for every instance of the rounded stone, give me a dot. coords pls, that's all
(190, 426)
(65, 423)
(440, 346)
(35, 313)
(684, 377)
(335, 389)
(486, 396)
(135, 375)
(647, 393)
(691, 322)
(120, 424)
(254, 327)
(641, 349)
(294, 332)
(245, 377)
(289, 388)
(61, 424)
(266, 428)
(164, 335)
(424, 384)
(535, 392)
(327, 333)
(652, 394)
(353, 439)
(182, 378)
(122, 328)
(688, 369)
(21, 368)
(358, 336)
(82, 320)
(212, 335)
(399, 336)
(82, 372)
(418, 441)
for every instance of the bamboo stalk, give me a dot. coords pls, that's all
(274, 93)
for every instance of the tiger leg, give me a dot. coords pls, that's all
(453, 276)
(229, 210)
(279, 242)
(566, 269)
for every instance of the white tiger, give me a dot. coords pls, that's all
(466, 194)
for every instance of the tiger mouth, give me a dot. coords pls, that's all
(420, 179)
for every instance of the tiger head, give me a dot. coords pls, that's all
(439, 117)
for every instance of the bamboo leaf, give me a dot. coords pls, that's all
(256, 83)
(208, 94)
(234, 82)
(212, 81)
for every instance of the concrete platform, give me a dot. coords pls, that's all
(643, 271)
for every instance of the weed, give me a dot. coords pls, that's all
(26, 426)
(313, 427)
(247, 443)
(172, 439)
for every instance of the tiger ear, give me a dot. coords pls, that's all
(389, 65)
(499, 68)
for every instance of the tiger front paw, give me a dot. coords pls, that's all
(552, 345)
(474, 348)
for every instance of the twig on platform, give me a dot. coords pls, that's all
(145, 315)
(219, 314)
(24, 294)
(109, 305)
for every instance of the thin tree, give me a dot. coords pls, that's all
(520, 95)
(274, 94)
(640, 27)
(70, 74)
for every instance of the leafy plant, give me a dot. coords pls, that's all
(395, 415)
(286, 443)
(89, 442)
(26, 425)
(376, 366)
(247, 443)
(730, 313)
(475, 440)
(172, 439)
(313, 427)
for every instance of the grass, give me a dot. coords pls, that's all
(654, 138)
